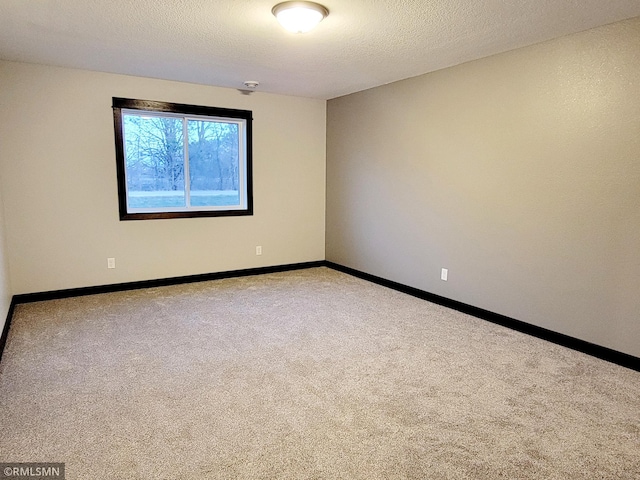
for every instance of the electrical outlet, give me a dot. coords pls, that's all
(259, 250)
(444, 274)
(111, 263)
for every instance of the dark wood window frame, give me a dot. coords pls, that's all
(120, 104)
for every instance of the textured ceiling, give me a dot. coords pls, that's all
(361, 44)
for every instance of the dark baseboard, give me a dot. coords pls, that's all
(7, 324)
(604, 353)
(161, 282)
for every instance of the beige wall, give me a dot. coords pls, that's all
(520, 173)
(5, 286)
(59, 184)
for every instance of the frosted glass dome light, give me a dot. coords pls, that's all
(299, 17)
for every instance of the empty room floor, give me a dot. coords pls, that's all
(304, 374)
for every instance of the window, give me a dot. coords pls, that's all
(176, 160)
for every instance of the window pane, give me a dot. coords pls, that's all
(154, 157)
(213, 163)
(178, 161)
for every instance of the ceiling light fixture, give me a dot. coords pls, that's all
(299, 17)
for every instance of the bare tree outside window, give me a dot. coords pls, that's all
(174, 160)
